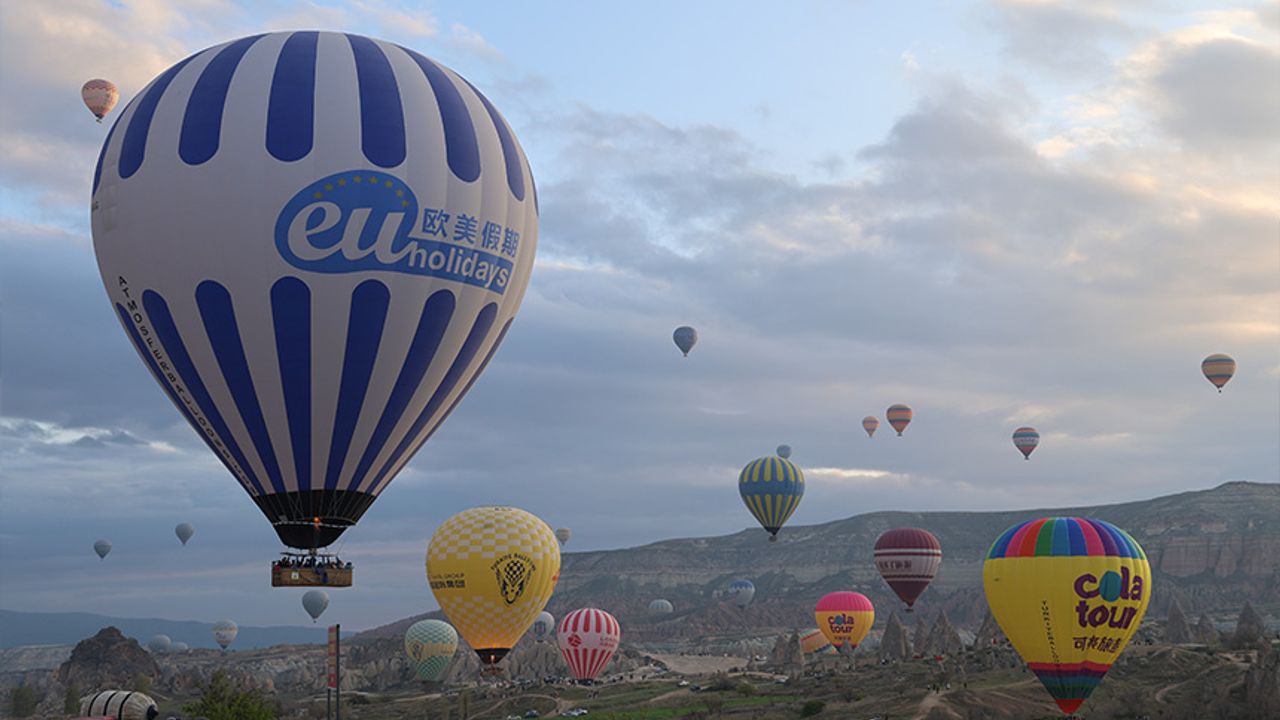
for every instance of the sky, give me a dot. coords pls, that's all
(1001, 213)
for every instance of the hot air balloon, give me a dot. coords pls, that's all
(99, 96)
(741, 592)
(315, 602)
(184, 531)
(316, 241)
(685, 337)
(543, 625)
(1026, 439)
(102, 547)
(907, 559)
(813, 642)
(588, 639)
(1218, 369)
(430, 645)
(771, 488)
(224, 633)
(899, 416)
(845, 618)
(119, 705)
(179, 647)
(784, 451)
(563, 535)
(661, 607)
(492, 570)
(870, 423)
(1069, 592)
(159, 643)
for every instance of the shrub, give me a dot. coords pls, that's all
(23, 701)
(221, 700)
(811, 708)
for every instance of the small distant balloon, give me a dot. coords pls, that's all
(661, 607)
(315, 602)
(159, 643)
(102, 547)
(685, 337)
(224, 633)
(563, 535)
(1218, 369)
(99, 96)
(184, 531)
(771, 488)
(845, 618)
(179, 647)
(430, 645)
(870, 423)
(907, 559)
(1026, 439)
(588, 639)
(784, 451)
(741, 592)
(543, 625)
(899, 416)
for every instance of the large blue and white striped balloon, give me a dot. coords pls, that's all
(316, 241)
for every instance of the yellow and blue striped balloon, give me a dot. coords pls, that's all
(771, 488)
(430, 645)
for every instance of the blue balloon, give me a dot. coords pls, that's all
(685, 337)
(771, 488)
(316, 242)
(741, 592)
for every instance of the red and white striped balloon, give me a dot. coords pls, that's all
(588, 639)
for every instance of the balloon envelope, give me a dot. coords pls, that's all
(430, 645)
(844, 618)
(315, 602)
(492, 570)
(661, 607)
(1026, 439)
(543, 626)
(563, 534)
(588, 638)
(784, 451)
(100, 96)
(907, 559)
(184, 531)
(771, 488)
(102, 547)
(870, 423)
(1218, 369)
(685, 337)
(179, 647)
(1069, 593)
(224, 633)
(813, 642)
(159, 643)
(899, 416)
(741, 592)
(316, 241)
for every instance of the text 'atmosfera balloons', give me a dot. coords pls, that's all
(316, 241)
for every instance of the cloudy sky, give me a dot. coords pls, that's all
(1001, 213)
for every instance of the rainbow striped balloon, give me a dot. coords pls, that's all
(813, 642)
(870, 423)
(1070, 593)
(899, 416)
(1218, 369)
(771, 488)
(1026, 439)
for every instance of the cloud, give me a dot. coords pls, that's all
(1064, 38)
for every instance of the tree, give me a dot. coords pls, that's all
(714, 704)
(221, 700)
(746, 689)
(71, 700)
(23, 701)
(812, 707)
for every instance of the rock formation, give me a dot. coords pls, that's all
(1262, 684)
(1251, 631)
(1205, 631)
(990, 634)
(786, 655)
(1177, 630)
(893, 644)
(920, 637)
(943, 639)
(106, 660)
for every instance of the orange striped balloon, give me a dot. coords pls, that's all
(899, 417)
(870, 423)
(1218, 369)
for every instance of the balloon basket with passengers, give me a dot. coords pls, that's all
(314, 569)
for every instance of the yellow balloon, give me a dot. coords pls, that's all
(492, 570)
(1070, 593)
(844, 618)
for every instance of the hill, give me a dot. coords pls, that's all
(28, 628)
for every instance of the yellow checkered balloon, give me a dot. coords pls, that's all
(492, 570)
